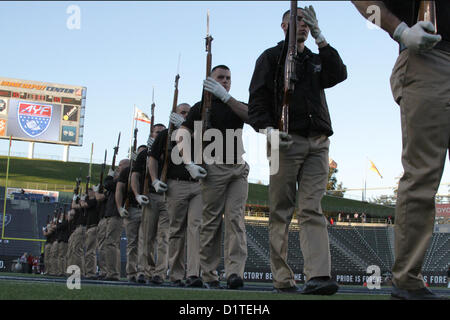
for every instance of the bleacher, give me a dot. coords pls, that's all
(352, 248)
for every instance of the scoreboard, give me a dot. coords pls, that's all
(42, 112)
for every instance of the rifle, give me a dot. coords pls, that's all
(88, 179)
(100, 187)
(77, 190)
(169, 132)
(427, 12)
(206, 101)
(289, 68)
(133, 150)
(152, 121)
(116, 150)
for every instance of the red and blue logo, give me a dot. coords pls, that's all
(34, 119)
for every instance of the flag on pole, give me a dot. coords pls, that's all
(374, 169)
(332, 163)
(141, 116)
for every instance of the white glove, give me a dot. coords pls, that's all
(417, 38)
(309, 16)
(123, 212)
(75, 196)
(195, 171)
(284, 139)
(83, 197)
(111, 172)
(216, 89)
(176, 119)
(142, 200)
(95, 188)
(150, 142)
(133, 156)
(159, 186)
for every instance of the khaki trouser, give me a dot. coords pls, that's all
(91, 252)
(69, 255)
(305, 163)
(114, 227)
(155, 230)
(47, 248)
(184, 206)
(224, 194)
(62, 258)
(134, 243)
(421, 86)
(54, 259)
(101, 237)
(78, 246)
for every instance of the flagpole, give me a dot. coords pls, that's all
(365, 180)
(133, 123)
(6, 187)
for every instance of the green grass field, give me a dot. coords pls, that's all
(22, 289)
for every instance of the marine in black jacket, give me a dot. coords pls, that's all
(301, 154)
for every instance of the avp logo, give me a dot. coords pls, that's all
(8, 218)
(34, 119)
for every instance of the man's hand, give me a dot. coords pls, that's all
(142, 200)
(150, 142)
(284, 140)
(309, 16)
(83, 197)
(111, 172)
(123, 212)
(195, 171)
(216, 89)
(75, 197)
(96, 188)
(159, 186)
(133, 156)
(417, 38)
(176, 119)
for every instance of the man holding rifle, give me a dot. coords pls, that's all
(224, 182)
(155, 220)
(302, 150)
(421, 87)
(114, 224)
(184, 204)
(132, 222)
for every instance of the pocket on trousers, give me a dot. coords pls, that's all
(397, 79)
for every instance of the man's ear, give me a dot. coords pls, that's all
(284, 26)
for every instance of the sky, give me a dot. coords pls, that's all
(124, 49)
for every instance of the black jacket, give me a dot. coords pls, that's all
(308, 111)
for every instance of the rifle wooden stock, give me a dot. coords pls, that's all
(289, 69)
(147, 172)
(427, 12)
(100, 187)
(116, 150)
(88, 179)
(169, 132)
(206, 106)
(133, 150)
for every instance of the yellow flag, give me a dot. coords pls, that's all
(374, 169)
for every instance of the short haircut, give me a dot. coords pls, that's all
(220, 66)
(159, 125)
(287, 13)
(142, 146)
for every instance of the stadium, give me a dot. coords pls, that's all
(94, 229)
(355, 245)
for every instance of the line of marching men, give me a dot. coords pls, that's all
(162, 220)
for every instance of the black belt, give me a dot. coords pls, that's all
(181, 179)
(442, 45)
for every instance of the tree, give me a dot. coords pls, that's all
(333, 188)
